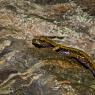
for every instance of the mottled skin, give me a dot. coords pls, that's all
(70, 52)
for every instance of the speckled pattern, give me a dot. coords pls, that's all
(26, 70)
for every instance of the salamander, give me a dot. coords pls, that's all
(70, 52)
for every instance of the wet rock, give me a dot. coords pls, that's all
(26, 70)
(5, 72)
(4, 44)
(42, 72)
(87, 5)
(43, 2)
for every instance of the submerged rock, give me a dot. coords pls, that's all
(27, 70)
(35, 71)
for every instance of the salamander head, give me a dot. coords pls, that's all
(40, 43)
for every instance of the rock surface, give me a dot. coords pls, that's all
(41, 72)
(27, 70)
